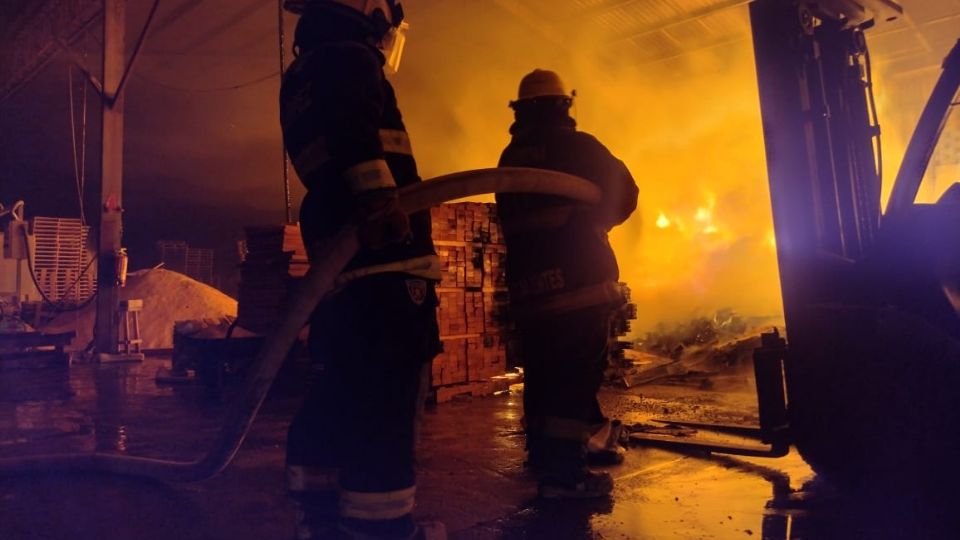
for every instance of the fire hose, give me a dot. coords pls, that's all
(328, 261)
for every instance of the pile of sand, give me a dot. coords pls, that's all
(167, 297)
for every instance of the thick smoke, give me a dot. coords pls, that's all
(688, 128)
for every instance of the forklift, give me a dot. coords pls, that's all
(865, 382)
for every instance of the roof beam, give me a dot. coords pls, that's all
(37, 39)
(527, 16)
(603, 7)
(680, 18)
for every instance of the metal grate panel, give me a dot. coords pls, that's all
(178, 256)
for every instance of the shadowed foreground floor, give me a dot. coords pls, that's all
(471, 470)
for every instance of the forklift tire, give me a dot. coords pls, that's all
(876, 400)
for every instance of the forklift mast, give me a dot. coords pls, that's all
(872, 357)
(820, 130)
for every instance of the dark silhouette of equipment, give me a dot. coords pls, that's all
(865, 384)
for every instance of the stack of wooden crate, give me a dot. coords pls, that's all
(473, 300)
(273, 260)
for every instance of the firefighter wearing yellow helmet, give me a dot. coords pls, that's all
(563, 281)
(542, 83)
(350, 449)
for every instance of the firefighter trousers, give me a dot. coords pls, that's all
(564, 357)
(356, 427)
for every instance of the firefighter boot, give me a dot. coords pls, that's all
(317, 514)
(580, 484)
(562, 471)
(603, 447)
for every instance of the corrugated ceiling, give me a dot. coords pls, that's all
(649, 30)
(644, 30)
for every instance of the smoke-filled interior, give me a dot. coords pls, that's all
(202, 137)
(687, 125)
(688, 128)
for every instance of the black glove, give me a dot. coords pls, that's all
(381, 222)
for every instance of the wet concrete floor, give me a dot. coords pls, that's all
(471, 470)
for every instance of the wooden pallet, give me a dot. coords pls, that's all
(60, 259)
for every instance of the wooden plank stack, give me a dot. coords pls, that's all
(274, 258)
(472, 293)
(452, 313)
(473, 300)
(494, 267)
(450, 366)
(486, 356)
(619, 328)
(466, 222)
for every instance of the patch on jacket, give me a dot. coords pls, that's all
(417, 289)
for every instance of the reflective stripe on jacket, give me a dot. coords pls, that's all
(340, 124)
(557, 247)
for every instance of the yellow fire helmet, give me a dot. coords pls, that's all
(541, 83)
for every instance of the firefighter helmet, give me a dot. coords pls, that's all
(382, 18)
(384, 14)
(541, 83)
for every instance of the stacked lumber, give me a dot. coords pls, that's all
(274, 258)
(462, 265)
(494, 266)
(466, 222)
(474, 308)
(450, 366)
(496, 310)
(619, 328)
(486, 356)
(472, 293)
(469, 359)
(443, 220)
(451, 313)
(472, 314)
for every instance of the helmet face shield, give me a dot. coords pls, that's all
(384, 19)
(392, 47)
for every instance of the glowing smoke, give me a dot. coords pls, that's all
(688, 128)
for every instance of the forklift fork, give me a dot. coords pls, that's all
(773, 434)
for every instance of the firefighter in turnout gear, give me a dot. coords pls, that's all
(350, 449)
(562, 275)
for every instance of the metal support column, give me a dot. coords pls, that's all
(111, 190)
